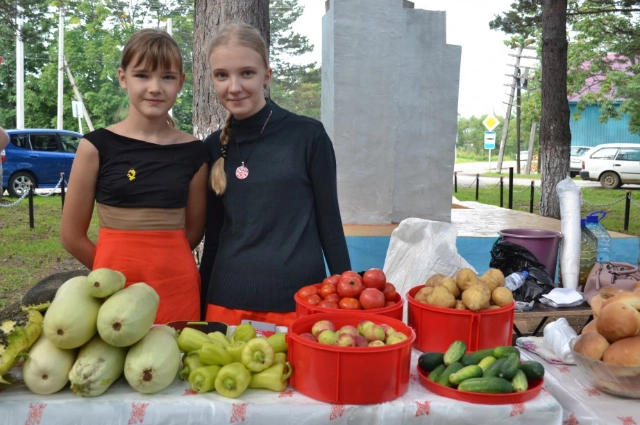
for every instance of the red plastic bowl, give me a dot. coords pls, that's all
(303, 308)
(481, 398)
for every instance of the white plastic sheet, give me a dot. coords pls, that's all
(569, 195)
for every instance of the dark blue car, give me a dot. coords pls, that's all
(38, 156)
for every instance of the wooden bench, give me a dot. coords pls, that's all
(542, 312)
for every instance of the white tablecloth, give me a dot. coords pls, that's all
(177, 405)
(582, 403)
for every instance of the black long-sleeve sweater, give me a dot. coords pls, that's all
(269, 234)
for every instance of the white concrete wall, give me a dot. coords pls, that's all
(389, 103)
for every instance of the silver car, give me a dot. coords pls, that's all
(612, 164)
(576, 159)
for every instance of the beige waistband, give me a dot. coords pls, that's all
(141, 218)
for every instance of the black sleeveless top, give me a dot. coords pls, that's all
(135, 173)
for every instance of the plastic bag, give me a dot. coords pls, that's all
(509, 258)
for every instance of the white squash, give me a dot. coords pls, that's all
(126, 316)
(103, 282)
(97, 366)
(70, 320)
(46, 369)
(153, 362)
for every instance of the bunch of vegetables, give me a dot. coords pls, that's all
(496, 370)
(351, 291)
(96, 330)
(231, 365)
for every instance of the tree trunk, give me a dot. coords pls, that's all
(208, 114)
(555, 135)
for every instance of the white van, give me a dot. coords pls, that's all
(612, 164)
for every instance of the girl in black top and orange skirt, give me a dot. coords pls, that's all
(148, 180)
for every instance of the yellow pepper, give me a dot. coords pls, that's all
(280, 358)
(274, 378)
(235, 349)
(203, 379)
(257, 354)
(243, 332)
(279, 342)
(190, 361)
(232, 380)
(212, 353)
(219, 337)
(191, 339)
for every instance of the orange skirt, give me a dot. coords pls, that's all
(160, 258)
(233, 316)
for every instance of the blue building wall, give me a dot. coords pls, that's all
(589, 131)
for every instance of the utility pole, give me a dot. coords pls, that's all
(78, 96)
(60, 124)
(507, 115)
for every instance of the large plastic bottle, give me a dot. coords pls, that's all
(603, 236)
(588, 253)
(516, 280)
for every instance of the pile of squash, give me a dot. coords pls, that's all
(94, 331)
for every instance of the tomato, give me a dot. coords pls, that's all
(348, 286)
(327, 289)
(371, 298)
(313, 299)
(351, 273)
(374, 278)
(328, 304)
(389, 292)
(331, 280)
(333, 297)
(305, 291)
(348, 303)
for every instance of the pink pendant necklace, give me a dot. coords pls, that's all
(242, 172)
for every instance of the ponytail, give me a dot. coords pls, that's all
(218, 176)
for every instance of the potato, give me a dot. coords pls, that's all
(434, 280)
(490, 281)
(465, 278)
(476, 297)
(460, 305)
(502, 296)
(450, 284)
(421, 295)
(441, 297)
(497, 275)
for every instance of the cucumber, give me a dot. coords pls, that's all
(520, 382)
(510, 367)
(486, 362)
(467, 372)
(476, 356)
(454, 353)
(430, 361)
(434, 375)
(487, 385)
(494, 369)
(504, 351)
(444, 376)
(532, 369)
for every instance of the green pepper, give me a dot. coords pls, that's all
(273, 378)
(203, 379)
(232, 380)
(190, 361)
(279, 342)
(191, 339)
(235, 349)
(280, 358)
(243, 332)
(219, 337)
(258, 354)
(211, 354)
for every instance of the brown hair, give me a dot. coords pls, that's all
(155, 49)
(246, 36)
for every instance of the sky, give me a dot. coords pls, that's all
(485, 59)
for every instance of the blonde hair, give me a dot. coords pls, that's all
(154, 48)
(243, 35)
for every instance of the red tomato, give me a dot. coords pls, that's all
(327, 289)
(313, 299)
(332, 297)
(348, 303)
(371, 298)
(348, 286)
(328, 304)
(389, 292)
(351, 273)
(331, 280)
(305, 291)
(374, 278)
